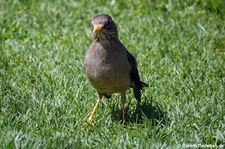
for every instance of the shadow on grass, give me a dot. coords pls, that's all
(145, 110)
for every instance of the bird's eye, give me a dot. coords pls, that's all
(108, 24)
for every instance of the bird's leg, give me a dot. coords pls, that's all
(123, 100)
(94, 110)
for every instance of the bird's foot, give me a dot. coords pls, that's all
(89, 122)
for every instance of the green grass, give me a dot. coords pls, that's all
(45, 97)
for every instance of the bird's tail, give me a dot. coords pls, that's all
(143, 84)
(137, 91)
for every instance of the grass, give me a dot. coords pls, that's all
(45, 97)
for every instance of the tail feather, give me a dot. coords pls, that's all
(136, 84)
(137, 92)
(143, 84)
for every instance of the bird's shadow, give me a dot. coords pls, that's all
(145, 110)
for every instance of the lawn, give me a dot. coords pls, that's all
(46, 98)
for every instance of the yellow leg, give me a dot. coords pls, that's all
(123, 114)
(123, 100)
(94, 110)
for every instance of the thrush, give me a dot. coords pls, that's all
(110, 67)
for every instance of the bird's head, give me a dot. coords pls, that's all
(104, 28)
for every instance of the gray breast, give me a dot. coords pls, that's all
(107, 67)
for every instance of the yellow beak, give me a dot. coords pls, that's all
(97, 28)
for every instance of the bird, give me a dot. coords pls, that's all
(109, 66)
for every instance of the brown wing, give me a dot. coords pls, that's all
(136, 83)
